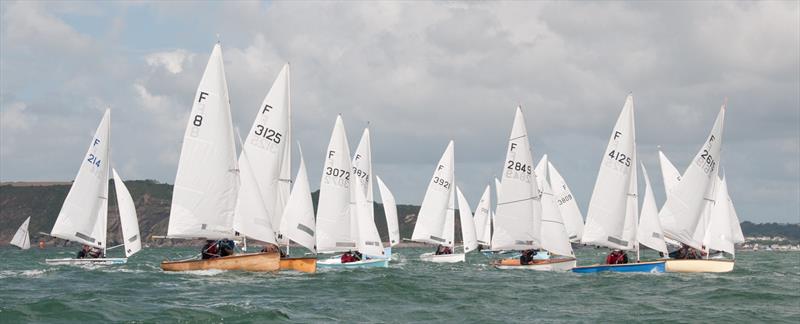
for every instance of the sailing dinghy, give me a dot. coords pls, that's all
(84, 215)
(345, 220)
(520, 221)
(22, 238)
(698, 211)
(436, 219)
(204, 198)
(613, 209)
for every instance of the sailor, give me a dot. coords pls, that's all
(210, 250)
(272, 248)
(226, 247)
(84, 252)
(617, 256)
(348, 257)
(526, 257)
(95, 253)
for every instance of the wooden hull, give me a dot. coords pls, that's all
(255, 262)
(699, 265)
(308, 265)
(98, 261)
(641, 267)
(443, 258)
(552, 264)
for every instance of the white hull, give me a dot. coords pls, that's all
(699, 265)
(443, 258)
(552, 265)
(336, 262)
(98, 261)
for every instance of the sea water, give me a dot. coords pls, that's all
(764, 287)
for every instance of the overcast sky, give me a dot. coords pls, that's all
(421, 74)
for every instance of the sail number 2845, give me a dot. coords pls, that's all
(518, 166)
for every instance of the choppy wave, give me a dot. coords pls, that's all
(763, 287)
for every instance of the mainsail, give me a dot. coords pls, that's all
(83, 216)
(206, 185)
(261, 162)
(22, 238)
(334, 230)
(483, 222)
(682, 211)
(431, 220)
(519, 207)
(609, 210)
(570, 213)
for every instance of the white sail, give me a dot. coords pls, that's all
(83, 216)
(682, 210)
(261, 162)
(390, 209)
(334, 230)
(128, 221)
(519, 207)
(449, 231)
(206, 184)
(553, 235)
(482, 218)
(736, 225)
(285, 179)
(362, 169)
(719, 234)
(540, 169)
(22, 238)
(649, 232)
(608, 207)
(252, 219)
(368, 241)
(669, 173)
(432, 214)
(632, 209)
(297, 222)
(570, 213)
(467, 223)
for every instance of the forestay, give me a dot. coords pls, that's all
(518, 201)
(334, 231)
(570, 213)
(22, 238)
(127, 217)
(297, 223)
(608, 207)
(430, 225)
(467, 223)
(206, 184)
(264, 151)
(390, 210)
(682, 210)
(83, 216)
(649, 232)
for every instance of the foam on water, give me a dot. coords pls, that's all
(763, 287)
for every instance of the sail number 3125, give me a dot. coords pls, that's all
(267, 133)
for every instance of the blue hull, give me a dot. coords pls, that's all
(643, 267)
